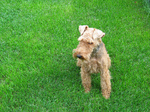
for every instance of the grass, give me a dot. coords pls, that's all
(37, 71)
(147, 6)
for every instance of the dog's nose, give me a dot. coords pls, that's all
(79, 56)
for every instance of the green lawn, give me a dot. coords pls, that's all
(38, 73)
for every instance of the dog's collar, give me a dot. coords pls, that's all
(97, 49)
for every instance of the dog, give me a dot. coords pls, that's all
(92, 57)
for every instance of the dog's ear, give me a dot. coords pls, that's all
(98, 34)
(82, 29)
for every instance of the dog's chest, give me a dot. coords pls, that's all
(92, 66)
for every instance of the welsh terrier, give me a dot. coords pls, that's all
(92, 57)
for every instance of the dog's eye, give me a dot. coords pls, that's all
(90, 43)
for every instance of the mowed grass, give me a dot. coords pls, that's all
(38, 73)
(147, 6)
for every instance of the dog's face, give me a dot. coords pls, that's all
(88, 41)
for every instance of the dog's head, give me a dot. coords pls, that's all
(88, 41)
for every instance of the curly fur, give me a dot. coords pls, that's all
(93, 59)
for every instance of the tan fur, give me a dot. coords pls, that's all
(93, 58)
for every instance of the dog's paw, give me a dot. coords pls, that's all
(87, 90)
(106, 95)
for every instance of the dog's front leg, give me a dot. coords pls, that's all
(86, 79)
(105, 83)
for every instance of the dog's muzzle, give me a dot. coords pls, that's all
(79, 56)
